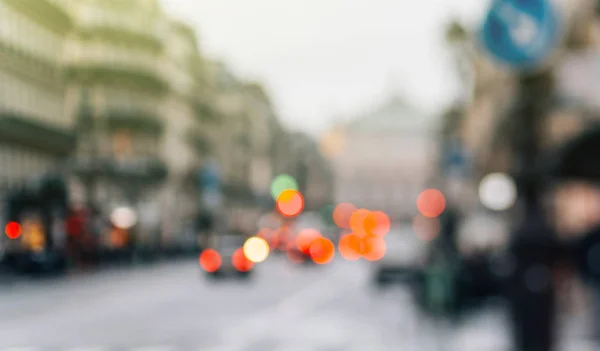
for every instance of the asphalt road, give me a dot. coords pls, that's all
(171, 306)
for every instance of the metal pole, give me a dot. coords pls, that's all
(531, 294)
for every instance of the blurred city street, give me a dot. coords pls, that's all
(172, 306)
(225, 175)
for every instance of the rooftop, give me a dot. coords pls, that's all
(395, 116)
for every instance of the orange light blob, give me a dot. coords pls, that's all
(13, 230)
(322, 251)
(431, 203)
(290, 203)
(374, 248)
(305, 238)
(349, 247)
(426, 229)
(382, 224)
(210, 260)
(342, 213)
(240, 261)
(360, 222)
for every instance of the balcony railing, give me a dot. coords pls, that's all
(137, 23)
(127, 101)
(105, 55)
(143, 168)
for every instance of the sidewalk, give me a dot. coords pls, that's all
(487, 330)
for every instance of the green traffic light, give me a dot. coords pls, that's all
(281, 183)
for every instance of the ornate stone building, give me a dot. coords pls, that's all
(36, 135)
(389, 156)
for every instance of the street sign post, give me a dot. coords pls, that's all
(521, 34)
(455, 160)
(209, 179)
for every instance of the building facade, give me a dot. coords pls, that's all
(389, 156)
(36, 135)
(118, 97)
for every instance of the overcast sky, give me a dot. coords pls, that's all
(322, 60)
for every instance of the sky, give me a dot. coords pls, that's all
(323, 61)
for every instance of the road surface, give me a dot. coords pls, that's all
(170, 307)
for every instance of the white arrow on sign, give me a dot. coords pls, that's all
(523, 29)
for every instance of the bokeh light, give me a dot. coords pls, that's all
(361, 222)
(349, 247)
(123, 217)
(431, 203)
(382, 223)
(282, 183)
(374, 248)
(13, 230)
(256, 249)
(322, 251)
(426, 229)
(240, 261)
(342, 214)
(497, 191)
(305, 238)
(290, 203)
(210, 260)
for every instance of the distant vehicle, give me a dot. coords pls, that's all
(225, 258)
(35, 217)
(403, 261)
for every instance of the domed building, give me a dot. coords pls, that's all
(387, 157)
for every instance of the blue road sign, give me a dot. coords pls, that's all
(521, 33)
(455, 160)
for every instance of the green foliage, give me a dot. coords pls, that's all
(121, 37)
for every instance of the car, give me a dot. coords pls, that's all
(226, 258)
(403, 261)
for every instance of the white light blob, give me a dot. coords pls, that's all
(497, 191)
(123, 217)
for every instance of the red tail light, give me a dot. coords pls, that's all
(13, 230)
(210, 260)
(240, 262)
